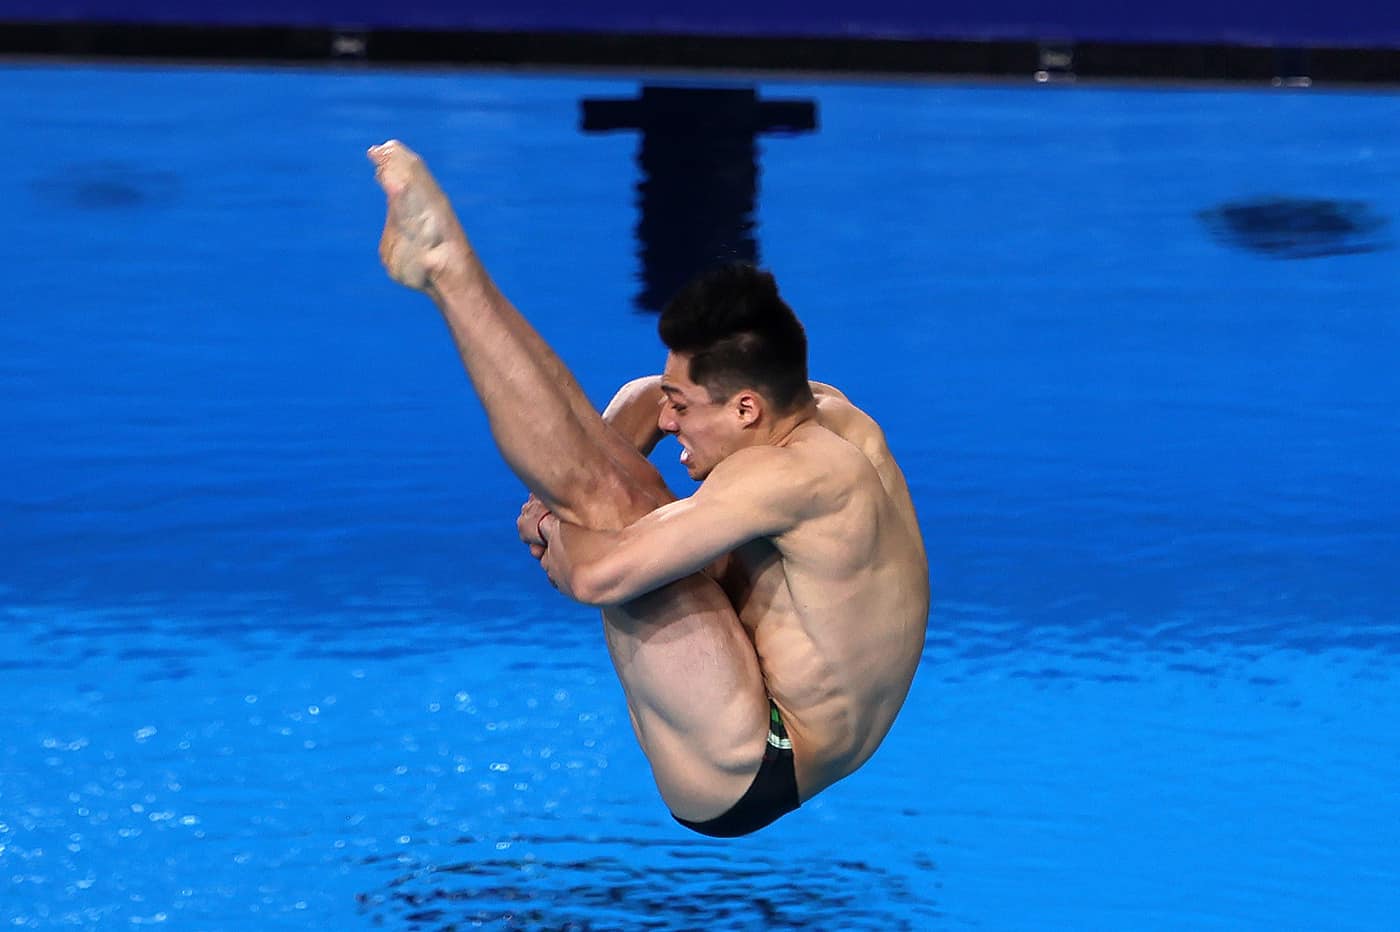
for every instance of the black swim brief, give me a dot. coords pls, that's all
(772, 794)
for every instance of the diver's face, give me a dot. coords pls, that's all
(707, 430)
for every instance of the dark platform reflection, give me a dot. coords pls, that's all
(1296, 228)
(699, 175)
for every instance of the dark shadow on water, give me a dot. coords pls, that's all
(589, 883)
(698, 161)
(1296, 228)
(107, 185)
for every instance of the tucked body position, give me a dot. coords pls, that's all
(766, 628)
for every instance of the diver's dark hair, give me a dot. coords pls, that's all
(739, 334)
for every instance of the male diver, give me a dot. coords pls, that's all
(765, 629)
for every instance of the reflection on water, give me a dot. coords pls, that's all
(698, 162)
(564, 882)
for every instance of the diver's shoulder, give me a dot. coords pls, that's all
(858, 429)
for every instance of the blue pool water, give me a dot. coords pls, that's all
(272, 658)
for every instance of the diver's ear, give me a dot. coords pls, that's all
(748, 408)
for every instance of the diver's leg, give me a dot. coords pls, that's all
(542, 422)
(695, 691)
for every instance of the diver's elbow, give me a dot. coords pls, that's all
(594, 585)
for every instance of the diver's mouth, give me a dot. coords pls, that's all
(685, 456)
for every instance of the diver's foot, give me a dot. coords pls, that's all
(421, 232)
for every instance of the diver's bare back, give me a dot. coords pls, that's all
(838, 606)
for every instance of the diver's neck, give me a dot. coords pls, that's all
(782, 430)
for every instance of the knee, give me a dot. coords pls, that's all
(612, 501)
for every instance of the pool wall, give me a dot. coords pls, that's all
(1354, 23)
(1286, 44)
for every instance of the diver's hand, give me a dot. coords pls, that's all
(528, 525)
